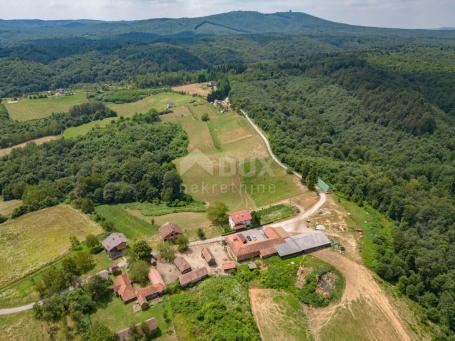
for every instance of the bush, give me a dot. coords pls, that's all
(3, 219)
(141, 250)
(201, 233)
(205, 117)
(166, 251)
(217, 213)
(182, 243)
(139, 271)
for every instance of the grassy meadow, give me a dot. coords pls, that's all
(83, 129)
(158, 102)
(7, 207)
(38, 238)
(28, 109)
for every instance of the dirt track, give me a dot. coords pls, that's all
(41, 140)
(359, 284)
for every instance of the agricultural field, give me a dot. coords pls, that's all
(38, 238)
(130, 225)
(275, 213)
(28, 109)
(279, 315)
(22, 327)
(149, 209)
(73, 132)
(7, 207)
(158, 102)
(201, 89)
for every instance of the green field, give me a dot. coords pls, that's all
(267, 182)
(7, 207)
(132, 226)
(117, 316)
(149, 209)
(86, 128)
(158, 102)
(23, 327)
(275, 213)
(36, 239)
(29, 109)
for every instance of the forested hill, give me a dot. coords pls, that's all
(232, 23)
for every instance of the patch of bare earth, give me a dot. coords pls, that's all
(41, 140)
(200, 89)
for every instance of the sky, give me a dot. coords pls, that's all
(382, 13)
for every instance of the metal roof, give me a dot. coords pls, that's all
(302, 243)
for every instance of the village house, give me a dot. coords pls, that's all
(114, 244)
(240, 220)
(170, 231)
(182, 265)
(229, 266)
(193, 276)
(208, 256)
(123, 288)
(170, 106)
(156, 279)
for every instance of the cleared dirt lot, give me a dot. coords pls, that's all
(193, 256)
(200, 89)
(41, 140)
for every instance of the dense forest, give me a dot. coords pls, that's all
(129, 160)
(375, 138)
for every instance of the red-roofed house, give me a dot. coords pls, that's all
(240, 220)
(155, 278)
(124, 289)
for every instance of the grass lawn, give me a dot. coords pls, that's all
(279, 315)
(132, 226)
(158, 102)
(35, 239)
(85, 128)
(267, 182)
(29, 109)
(275, 213)
(7, 207)
(373, 224)
(22, 327)
(117, 315)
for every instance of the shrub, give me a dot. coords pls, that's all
(139, 272)
(166, 251)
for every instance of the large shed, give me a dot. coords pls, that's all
(302, 243)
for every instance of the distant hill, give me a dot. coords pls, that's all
(231, 23)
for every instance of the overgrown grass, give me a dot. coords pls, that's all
(216, 142)
(377, 230)
(149, 209)
(275, 213)
(131, 226)
(86, 128)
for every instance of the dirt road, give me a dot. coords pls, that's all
(359, 284)
(41, 140)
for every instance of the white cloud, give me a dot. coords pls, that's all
(389, 13)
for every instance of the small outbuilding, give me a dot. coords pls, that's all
(193, 276)
(182, 265)
(170, 231)
(114, 244)
(208, 256)
(229, 266)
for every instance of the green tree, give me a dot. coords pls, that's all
(99, 332)
(3, 219)
(84, 262)
(87, 206)
(201, 233)
(139, 272)
(92, 241)
(182, 243)
(99, 289)
(166, 251)
(205, 117)
(141, 250)
(75, 244)
(217, 213)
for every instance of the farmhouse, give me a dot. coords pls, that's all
(193, 276)
(255, 243)
(182, 265)
(124, 289)
(114, 244)
(156, 279)
(208, 256)
(170, 231)
(240, 220)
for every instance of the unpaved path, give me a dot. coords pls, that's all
(41, 140)
(359, 284)
(16, 309)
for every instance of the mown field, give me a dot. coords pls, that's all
(33, 240)
(29, 109)
(279, 315)
(86, 128)
(158, 102)
(7, 207)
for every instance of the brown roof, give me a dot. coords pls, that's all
(152, 324)
(113, 240)
(124, 334)
(155, 277)
(229, 265)
(252, 249)
(267, 252)
(207, 254)
(240, 217)
(169, 228)
(182, 264)
(193, 276)
(124, 288)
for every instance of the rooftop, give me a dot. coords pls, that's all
(302, 243)
(193, 276)
(169, 228)
(113, 240)
(239, 217)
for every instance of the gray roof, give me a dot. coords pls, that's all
(114, 240)
(302, 243)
